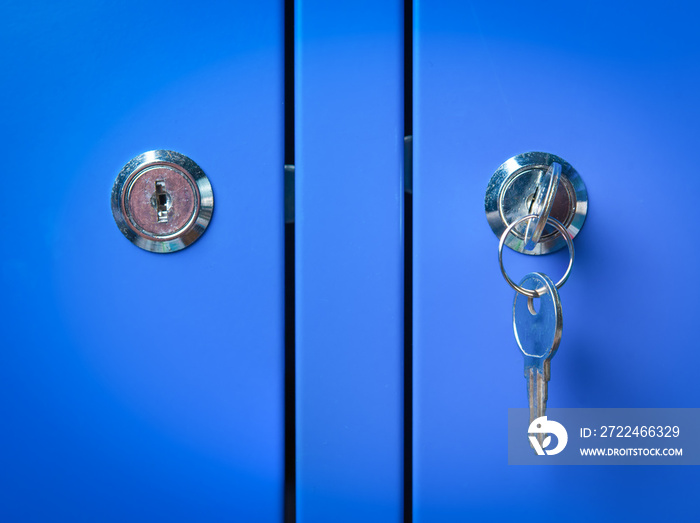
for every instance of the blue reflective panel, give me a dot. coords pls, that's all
(349, 258)
(138, 386)
(613, 90)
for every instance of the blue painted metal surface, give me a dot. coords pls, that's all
(137, 386)
(618, 100)
(349, 258)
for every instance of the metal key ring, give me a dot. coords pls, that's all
(569, 243)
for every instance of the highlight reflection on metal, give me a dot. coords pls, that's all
(511, 194)
(566, 239)
(162, 201)
(538, 332)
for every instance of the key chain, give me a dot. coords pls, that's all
(525, 195)
(538, 332)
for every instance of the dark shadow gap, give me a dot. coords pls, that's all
(289, 371)
(289, 312)
(408, 263)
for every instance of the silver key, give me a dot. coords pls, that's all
(542, 204)
(538, 333)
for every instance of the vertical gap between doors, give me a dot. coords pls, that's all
(289, 273)
(408, 262)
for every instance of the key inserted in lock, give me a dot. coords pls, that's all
(536, 183)
(541, 205)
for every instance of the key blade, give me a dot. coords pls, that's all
(537, 378)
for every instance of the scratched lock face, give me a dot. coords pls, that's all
(162, 201)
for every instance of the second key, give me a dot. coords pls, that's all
(537, 323)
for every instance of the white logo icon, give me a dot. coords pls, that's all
(544, 426)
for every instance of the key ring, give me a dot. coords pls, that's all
(569, 243)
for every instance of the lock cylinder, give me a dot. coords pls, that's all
(162, 201)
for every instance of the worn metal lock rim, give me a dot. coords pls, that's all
(503, 204)
(196, 223)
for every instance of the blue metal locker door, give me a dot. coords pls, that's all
(349, 257)
(613, 90)
(137, 386)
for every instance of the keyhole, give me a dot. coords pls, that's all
(161, 201)
(533, 198)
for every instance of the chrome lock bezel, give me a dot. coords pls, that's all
(511, 190)
(196, 223)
